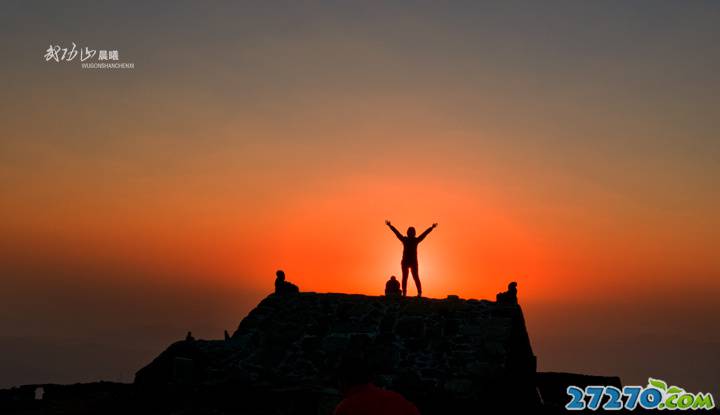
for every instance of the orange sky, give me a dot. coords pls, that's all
(328, 232)
(571, 149)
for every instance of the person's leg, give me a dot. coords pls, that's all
(416, 277)
(405, 270)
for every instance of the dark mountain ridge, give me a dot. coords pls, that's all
(446, 355)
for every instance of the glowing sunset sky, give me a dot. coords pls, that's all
(572, 147)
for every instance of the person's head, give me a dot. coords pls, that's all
(411, 231)
(512, 286)
(352, 371)
(280, 274)
(392, 277)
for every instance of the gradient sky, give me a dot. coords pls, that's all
(571, 146)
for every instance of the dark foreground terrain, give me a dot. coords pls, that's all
(450, 356)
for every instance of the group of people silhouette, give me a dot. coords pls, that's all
(408, 264)
(361, 396)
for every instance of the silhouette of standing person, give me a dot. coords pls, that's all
(409, 260)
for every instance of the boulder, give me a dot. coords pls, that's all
(443, 354)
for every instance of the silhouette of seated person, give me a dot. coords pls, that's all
(362, 397)
(283, 287)
(392, 287)
(509, 296)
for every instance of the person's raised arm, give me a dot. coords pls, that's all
(395, 231)
(427, 231)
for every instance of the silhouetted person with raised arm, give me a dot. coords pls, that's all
(409, 260)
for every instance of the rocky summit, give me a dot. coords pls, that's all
(446, 355)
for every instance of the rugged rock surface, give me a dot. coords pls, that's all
(447, 356)
(77, 399)
(552, 386)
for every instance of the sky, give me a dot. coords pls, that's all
(569, 146)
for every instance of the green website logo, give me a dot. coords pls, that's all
(656, 395)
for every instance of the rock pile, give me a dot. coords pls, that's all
(447, 356)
